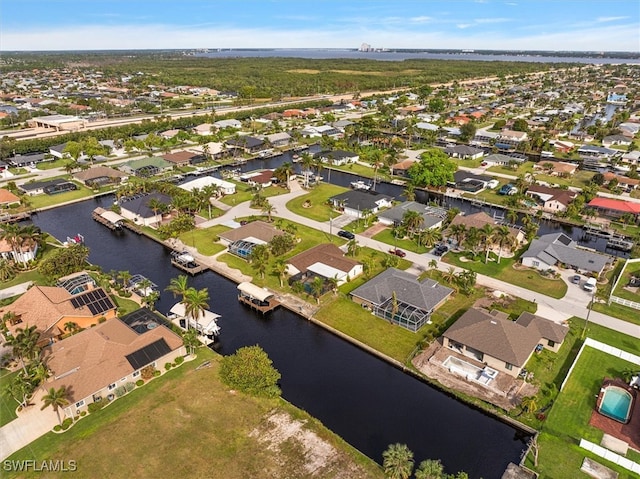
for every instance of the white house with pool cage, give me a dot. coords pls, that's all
(401, 298)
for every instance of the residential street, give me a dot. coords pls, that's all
(574, 303)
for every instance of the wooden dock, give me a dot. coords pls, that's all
(15, 217)
(187, 268)
(97, 216)
(262, 308)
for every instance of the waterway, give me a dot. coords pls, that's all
(365, 400)
(325, 54)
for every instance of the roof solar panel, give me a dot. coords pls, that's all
(148, 354)
(96, 300)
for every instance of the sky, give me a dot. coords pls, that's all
(566, 25)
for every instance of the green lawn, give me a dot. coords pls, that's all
(317, 197)
(204, 240)
(125, 306)
(8, 405)
(42, 201)
(580, 179)
(188, 424)
(386, 236)
(504, 271)
(244, 193)
(49, 165)
(525, 167)
(357, 169)
(630, 270)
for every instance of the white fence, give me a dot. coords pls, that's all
(610, 456)
(622, 301)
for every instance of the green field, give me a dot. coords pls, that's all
(205, 240)
(317, 197)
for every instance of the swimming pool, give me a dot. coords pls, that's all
(616, 403)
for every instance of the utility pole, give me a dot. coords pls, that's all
(586, 323)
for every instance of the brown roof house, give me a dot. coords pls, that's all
(501, 344)
(552, 200)
(242, 240)
(181, 158)
(8, 199)
(100, 176)
(324, 260)
(102, 363)
(478, 220)
(49, 308)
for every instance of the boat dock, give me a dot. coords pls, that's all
(259, 299)
(113, 220)
(187, 263)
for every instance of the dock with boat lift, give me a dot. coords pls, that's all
(113, 220)
(257, 298)
(186, 262)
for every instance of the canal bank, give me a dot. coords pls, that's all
(365, 400)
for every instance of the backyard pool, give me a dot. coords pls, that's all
(616, 403)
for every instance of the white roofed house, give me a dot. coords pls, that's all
(337, 157)
(223, 187)
(279, 139)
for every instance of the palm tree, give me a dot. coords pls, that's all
(485, 235)
(433, 264)
(71, 327)
(397, 461)
(268, 208)
(56, 398)
(333, 283)
(20, 388)
(512, 216)
(410, 192)
(280, 268)
(178, 286)
(472, 240)
(307, 162)
(430, 469)
(394, 305)
(317, 285)
(529, 404)
(196, 302)
(259, 258)
(429, 237)
(353, 248)
(7, 270)
(458, 231)
(39, 372)
(124, 276)
(449, 275)
(413, 221)
(24, 344)
(191, 341)
(503, 237)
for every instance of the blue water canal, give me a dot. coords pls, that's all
(365, 400)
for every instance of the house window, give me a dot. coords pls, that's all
(535, 263)
(112, 387)
(508, 366)
(123, 380)
(80, 403)
(135, 374)
(551, 343)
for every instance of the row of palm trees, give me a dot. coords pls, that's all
(195, 301)
(398, 463)
(488, 237)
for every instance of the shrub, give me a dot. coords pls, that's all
(147, 372)
(120, 391)
(96, 406)
(57, 428)
(179, 360)
(83, 413)
(168, 366)
(156, 374)
(129, 386)
(66, 423)
(139, 382)
(250, 370)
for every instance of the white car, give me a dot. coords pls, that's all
(590, 285)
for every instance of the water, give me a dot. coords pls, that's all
(325, 54)
(615, 403)
(365, 400)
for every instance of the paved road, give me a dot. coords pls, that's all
(574, 303)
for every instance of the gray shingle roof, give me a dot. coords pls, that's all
(426, 294)
(357, 199)
(396, 214)
(558, 247)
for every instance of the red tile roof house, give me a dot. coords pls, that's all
(7, 199)
(101, 363)
(611, 208)
(327, 261)
(401, 169)
(499, 343)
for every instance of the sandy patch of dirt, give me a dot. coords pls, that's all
(280, 432)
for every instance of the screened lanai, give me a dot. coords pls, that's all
(241, 248)
(403, 314)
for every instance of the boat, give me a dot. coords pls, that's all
(595, 230)
(77, 239)
(360, 185)
(620, 243)
(184, 258)
(142, 285)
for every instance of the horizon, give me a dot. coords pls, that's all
(498, 25)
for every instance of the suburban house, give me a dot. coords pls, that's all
(57, 122)
(552, 200)
(183, 158)
(504, 345)
(464, 152)
(479, 220)
(49, 187)
(100, 176)
(8, 199)
(558, 168)
(248, 144)
(402, 168)
(502, 160)
(262, 179)
(358, 203)
(320, 131)
(204, 129)
(139, 209)
(326, 261)
(485, 137)
(146, 167)
(231, 123)
(279, 139)
(168, 134)
(467, 181)
(23, 254)
(29, 160)
(401, 298)
(337, 157)
(557, 248)
(213, 149)
(623, 182)
(511, 138)
(49, 308)
(241, 241)
(598, 152)
(223, 187)
(613, 140)
(431, 217)
(613, 208)
(102, 363)
(57, 151)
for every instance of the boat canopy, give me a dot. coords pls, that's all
(250, 289)
(112, 216)
(205, 323)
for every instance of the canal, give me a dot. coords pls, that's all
(365, 400)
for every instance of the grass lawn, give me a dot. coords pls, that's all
(568, 420)
(204, 240)
(525, 167)
(504, 271)
(33, 275)
(631, 269)
(49, 165)
(491, 196)
(188, 424)
(580, 179)
(358, 169)
(318, 196)
(386, 236)
(41, 201)
(244, 193)
(125, 306)
(8, 405)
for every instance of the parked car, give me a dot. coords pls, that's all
(398, 252)
(576, 279)
(346, 234)
(508, 189)
(590, 285)
(440, 249)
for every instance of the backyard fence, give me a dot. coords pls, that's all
(622, 301)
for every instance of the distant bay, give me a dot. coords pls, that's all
(325, 54)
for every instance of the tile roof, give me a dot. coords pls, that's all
(425, 294)
(616, 205)
(328, 254)
(256, 229)
(6, 197)
(98, 172)
(179, 156)
(96, 357)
